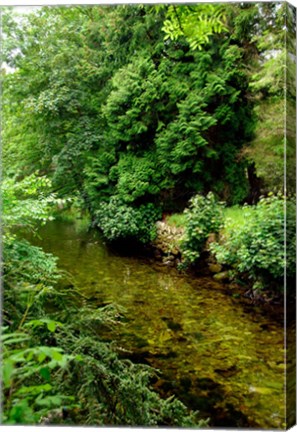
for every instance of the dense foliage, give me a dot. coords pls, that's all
(148, 104)
(272, 79)
(135, 111)
(119, 221)
(202, 218)
(123, 112)
(256, 247)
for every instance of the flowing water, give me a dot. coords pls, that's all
(218, 355)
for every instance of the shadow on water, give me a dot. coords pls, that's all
(217, 355)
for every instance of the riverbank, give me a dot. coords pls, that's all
(167, 250)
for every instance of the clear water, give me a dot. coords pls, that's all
(218, 355)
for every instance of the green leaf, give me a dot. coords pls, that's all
(34, 390)
(57, 356)
(7, 372)
(45, 373)
(51, 325)
(41, 357)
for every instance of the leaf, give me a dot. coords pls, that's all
(41, 357)
(7, 372)
(14, 338)
(45, 373)
(50, 401)
(57, 356)
(34, 390)
(51, 325)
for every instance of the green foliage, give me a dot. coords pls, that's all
(203, 217)
(136, 177)
(28, 272)
(49, 365)
(107, 107)
(110, 106)
(29, 393)
(267, 148)
(255, 246)
(81, 374)
(197, 23)
(119, 221)
(28, 263)
(129, 108)
(266, 31)
(177, 220)
(26, 202)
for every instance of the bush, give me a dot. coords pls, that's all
(119, 221)
(29, 392)
(256, 246)
(202, 218)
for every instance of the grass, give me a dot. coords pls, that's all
(233, 217)
(177, 220)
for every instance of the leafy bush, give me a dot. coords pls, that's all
(27, 270)
(256, 245)
(119, 221)
(29, 275)
(26, 202)
(29, 391)
(29, 263)
(203, 217)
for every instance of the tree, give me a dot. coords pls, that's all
(196, 23)
(109, 108)
(271, 72)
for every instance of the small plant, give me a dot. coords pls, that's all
(203, 217)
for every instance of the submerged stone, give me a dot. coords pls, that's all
(215, 268)
(222, 276)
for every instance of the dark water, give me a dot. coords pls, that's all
(217, 355)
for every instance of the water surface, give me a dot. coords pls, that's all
(217, 355)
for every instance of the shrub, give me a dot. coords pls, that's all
(119, 221)
(29, 392)
(256, 246)
(203, 217)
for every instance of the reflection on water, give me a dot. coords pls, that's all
(216, 356)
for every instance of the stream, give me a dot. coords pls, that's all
(217, 354)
